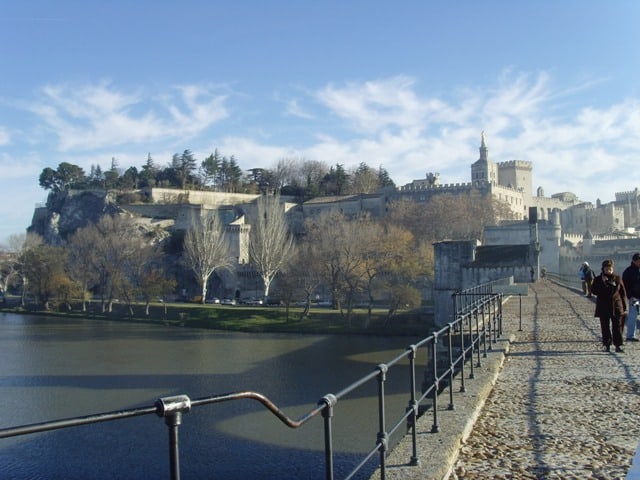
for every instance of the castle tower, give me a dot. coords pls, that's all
(518, 174)
(484, 170)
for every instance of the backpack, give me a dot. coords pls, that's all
(588, 274)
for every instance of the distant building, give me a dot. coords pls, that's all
(510, 182)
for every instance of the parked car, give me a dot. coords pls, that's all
(214, 300)
(228, 301)
(251, 301)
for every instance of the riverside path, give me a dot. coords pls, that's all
(547, 403)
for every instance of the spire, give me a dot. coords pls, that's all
(484, 151)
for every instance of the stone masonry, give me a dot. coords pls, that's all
(548, 403)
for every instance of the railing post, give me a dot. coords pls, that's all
(436, 384)
(171, 408)
(487, 327)
(329, 401)
(463, 387)
(500, 315)
(472, 343)
(451, 367)
(520, 296)
(383, 439)
(413, 406)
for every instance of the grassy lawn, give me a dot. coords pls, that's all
(251, 318)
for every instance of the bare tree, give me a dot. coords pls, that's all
(301, 277)
(117, 241)
(9, 260)
(206, 249)
(364, 179)
(325, 233)
(22, 246)
(449, 216)
(81, 260)
(271, 242)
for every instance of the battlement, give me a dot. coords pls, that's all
(440, 187)
(509, 189)
(521, 164)
(626, 196)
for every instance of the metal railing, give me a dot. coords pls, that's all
(476, 327)
(564, 279)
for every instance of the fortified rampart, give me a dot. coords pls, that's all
(628, 196)
(199, 197)
(462, 264)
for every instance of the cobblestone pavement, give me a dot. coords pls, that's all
(561, 408)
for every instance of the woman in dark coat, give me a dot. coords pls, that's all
(611, 305)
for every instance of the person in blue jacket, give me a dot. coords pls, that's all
(631, 280)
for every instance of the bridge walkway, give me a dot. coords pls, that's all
(547, 403)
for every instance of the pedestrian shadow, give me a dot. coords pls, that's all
(537, 437)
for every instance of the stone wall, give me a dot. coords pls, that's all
(198, 197)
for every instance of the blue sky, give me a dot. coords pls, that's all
(406, 85)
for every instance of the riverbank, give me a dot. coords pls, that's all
(246, 318)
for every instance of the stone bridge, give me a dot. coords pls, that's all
(547, 403)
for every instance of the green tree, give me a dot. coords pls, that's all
(210, 168)
(149, 173)
(336, 182)
(130, 179)
(230, 175)
(96, 177)
(184, 165)
(384, 180)
(64, 177)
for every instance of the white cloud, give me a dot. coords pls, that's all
(294, 109)
(99, 116)
(394, 122)
(377, 105)
(411, 133)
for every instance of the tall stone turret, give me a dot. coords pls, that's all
(484, 170)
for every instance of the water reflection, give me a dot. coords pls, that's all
(58, 368)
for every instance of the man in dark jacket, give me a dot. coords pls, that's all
(611, 305)
(631, 280)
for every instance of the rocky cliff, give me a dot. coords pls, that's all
(65, 212)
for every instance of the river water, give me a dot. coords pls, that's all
(53, 368)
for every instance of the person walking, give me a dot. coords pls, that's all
(631, 280)
(586, 275)
(611, 305)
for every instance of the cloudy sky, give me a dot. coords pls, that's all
(406, 85)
